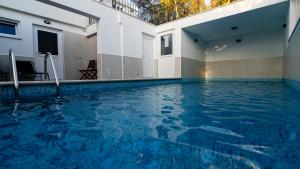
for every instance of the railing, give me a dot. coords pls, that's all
(49, 55)
(158, 13)
(14, 72)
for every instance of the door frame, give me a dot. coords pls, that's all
(149, 37)
(60, 44)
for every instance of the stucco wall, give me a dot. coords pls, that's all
(292, 58)
(118, 34)
(192, 68)
(121, 35)
(23, 44)
(133, 68)
(111, 66)
(183, 42)
(192, 55)
(192, 46)
(258, 55)
(78, 50)
(270, 67)
(292, 50)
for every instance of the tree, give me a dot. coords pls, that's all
(185, 7)
(161, 11)
(197, 6)
(216, 3)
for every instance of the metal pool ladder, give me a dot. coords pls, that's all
(48, 54)
(14, 71)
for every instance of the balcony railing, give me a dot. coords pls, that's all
(158, 13)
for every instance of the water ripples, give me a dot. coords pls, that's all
(232, 125)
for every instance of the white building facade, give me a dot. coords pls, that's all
(246, 39)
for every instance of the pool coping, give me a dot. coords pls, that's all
(183, 79)
(39, 89)
(11, 83)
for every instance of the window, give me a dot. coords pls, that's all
(8, 28)
(47, 42)
(166, 44)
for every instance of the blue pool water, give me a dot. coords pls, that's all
(214, 125)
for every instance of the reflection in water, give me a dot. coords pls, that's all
(55, 127)
(219, 130)
(192, 125)
(252, 148)
(207, 155)
(14, 112)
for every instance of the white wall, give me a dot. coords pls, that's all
(222, 12)
(292, 50)
(292, 58)
(182, 43)
(257, 45)
(109, 28)
(117, 33)
(293, 15)
(23, 45)
(121, 34)
(133, 35)
(190, 48)
(166, 64)
(46, 11)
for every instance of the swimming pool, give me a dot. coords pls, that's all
(208, 125)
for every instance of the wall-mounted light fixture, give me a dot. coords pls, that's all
(284, 25)
(234, 28)
(238, 40)
(47, 21)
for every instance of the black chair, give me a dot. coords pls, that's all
(4, 76)
(26, 71)
(91, 71)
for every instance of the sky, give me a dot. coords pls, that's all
(207, 2)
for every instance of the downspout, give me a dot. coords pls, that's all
(122, 49)
(121, 43)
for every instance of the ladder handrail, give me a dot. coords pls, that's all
(12, 59)
(48, 54)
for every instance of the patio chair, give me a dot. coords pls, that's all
(4, 76)
(91, 71)
(26, 71)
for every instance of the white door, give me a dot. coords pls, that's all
(48, 40)
(148, 56)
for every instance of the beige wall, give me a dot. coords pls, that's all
(112, 67)
(78, 50)
(258, 55)
(192, 68)
(271, 67)
(133, 68)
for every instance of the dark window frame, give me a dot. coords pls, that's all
(166, 51)
(9, 33)
(47, 43)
